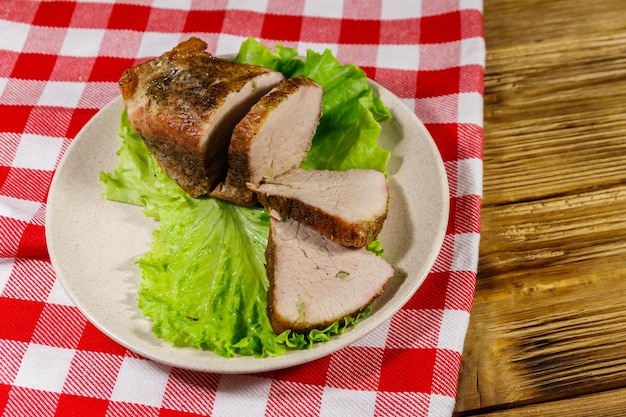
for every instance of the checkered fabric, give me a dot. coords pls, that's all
(59, 64)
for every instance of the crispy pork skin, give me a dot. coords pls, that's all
(272, 138)
(185, 104)
(348, 207)
(315, 282)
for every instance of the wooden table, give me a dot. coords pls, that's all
(547, 334)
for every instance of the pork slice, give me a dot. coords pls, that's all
(348, 207)
(315, 282)
(272, 138)
(185, 105)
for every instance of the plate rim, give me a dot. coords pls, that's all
(216, 363)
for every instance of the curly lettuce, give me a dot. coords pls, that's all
(203, 280)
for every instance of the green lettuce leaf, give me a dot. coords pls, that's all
(203, 280)
(137, 179)
(206, 279)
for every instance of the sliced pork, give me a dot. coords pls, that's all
(273, 138)
(185, 104)
(315, 282)
(348, 207)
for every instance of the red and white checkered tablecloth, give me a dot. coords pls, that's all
(59, 64)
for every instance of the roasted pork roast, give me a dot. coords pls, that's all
(348, 207)
(240, 133)
(315, 282)
(273, 138)
(185, 104)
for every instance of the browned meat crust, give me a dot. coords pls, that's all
(331, 226)
(176, 103)
(272, 138)
(327, 201)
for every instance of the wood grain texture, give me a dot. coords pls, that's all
(554, 117)
(611, 404)
(548, 326)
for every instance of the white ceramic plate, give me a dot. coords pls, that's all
(93, 242)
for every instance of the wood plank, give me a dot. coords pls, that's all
(550, 335)
(515, 22)
(549, 315)
(610, 403)
(554, 87)
(551, 233)
(554, 118)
